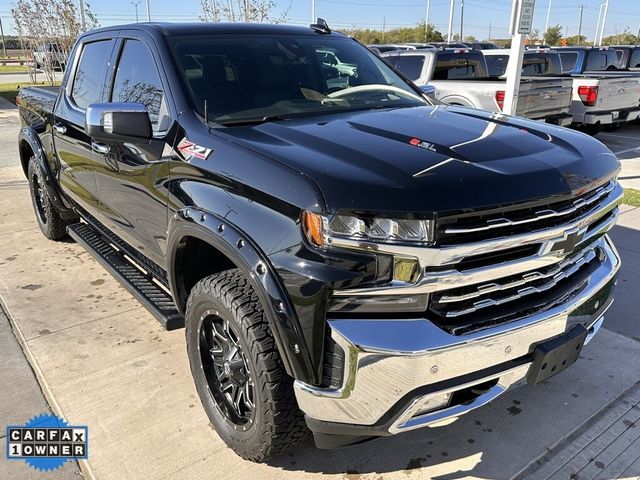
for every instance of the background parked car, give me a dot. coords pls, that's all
(461, 78)
(603, 96)
(49, 54)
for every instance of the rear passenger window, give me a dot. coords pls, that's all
(410, 65)
(137, 81)
(454, 67)
(90, 75)
(569, 60)
(635, 58)
(497, 64)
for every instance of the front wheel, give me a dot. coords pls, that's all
(237, 369)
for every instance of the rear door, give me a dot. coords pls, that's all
(84, 86)
(132, 179)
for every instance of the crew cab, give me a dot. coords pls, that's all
(603, 96)
(461, 78)
(348, 258)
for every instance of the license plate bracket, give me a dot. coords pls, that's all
(554, 356)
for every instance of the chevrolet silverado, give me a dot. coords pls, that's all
(348, 258)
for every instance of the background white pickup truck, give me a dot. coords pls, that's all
(603, 95)
(461, 78)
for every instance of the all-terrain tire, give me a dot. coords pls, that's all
(278, 423)
(49, 220)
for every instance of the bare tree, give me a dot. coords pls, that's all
(50, 28)
(256, 11)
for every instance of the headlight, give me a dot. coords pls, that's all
(321, 231)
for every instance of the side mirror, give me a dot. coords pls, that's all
(429, 91)
(118, 122)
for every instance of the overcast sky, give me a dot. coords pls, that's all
(478, 14)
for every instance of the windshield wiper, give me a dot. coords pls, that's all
(252, 121)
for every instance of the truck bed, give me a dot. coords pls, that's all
(37, 103)
(538, 97)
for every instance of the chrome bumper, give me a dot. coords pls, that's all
(610, 117)
(388, 361)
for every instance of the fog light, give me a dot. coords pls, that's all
(405, 269)
(432, 403)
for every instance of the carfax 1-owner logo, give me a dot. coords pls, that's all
(46, 442)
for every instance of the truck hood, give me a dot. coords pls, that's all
(431, 159)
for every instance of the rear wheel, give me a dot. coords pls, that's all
(49, 220)
(237, 369)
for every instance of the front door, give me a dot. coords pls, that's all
(132, 178)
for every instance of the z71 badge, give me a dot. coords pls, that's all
(190, 149)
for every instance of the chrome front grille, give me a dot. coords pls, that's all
(533, 282)
(528, 259)
(460, 311)
(473, 227)
(477, 305)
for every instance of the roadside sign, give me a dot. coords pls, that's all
(525, 21)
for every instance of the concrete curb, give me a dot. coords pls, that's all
(85, 468)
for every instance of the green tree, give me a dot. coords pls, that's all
(575, 40)
(415, 34)
(470, 38)
(553, 35)
(624, 38)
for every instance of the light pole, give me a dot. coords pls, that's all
(461, 18)
(595, 38)
(135, 4)
(450, 31)
(313, 11)
(546, 25)
(148, 10)
(604, 21)
(83, 22)
(580, 26)
(426, 20)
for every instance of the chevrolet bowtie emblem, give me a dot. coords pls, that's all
(567, 245)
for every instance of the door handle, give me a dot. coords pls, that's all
(100, 148)
(59, 128)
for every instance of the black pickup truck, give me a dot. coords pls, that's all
(348, 258)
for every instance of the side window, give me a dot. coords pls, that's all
(137, 81)
(635, 58)
(90, 75)
(411, 65)
(569, 60)
(497, 64)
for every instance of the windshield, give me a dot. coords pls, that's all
(258, 78)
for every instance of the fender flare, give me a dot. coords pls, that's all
(29, 135)
(247, 256)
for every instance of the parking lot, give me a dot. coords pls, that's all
(103, 361)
